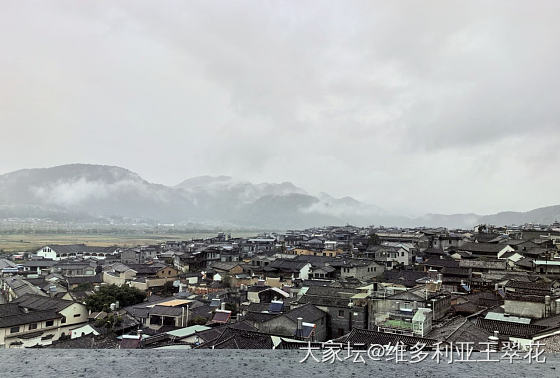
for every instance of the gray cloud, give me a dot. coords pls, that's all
(441, 106)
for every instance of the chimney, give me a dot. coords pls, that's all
(496, 287)
(223, 306)
(495, 340)
(299, 326)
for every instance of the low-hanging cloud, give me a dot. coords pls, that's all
(445, 106)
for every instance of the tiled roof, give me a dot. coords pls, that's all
(22, 287)
(534, 286)
(484, 264)
(528, 297)
(87, 279)
(21, 317)
(86, 342)
(79, 248)
(217, 334)
(486, 248)
(459, 330)
(308, 312)
(284, 265)
(404, 277)
(441, 262)
(239, 339)
(37, 302)
(368, 337)
(167, 311)
(466, 308)
(259, 317)
(510, 328)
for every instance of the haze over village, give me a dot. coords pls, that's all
(301, 184)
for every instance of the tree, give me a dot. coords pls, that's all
(373, 239)
(168, 289)
(232, 308)
(125, 295)
(197, 320)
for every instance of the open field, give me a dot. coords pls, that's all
(32, 242)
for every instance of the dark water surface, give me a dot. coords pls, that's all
(241, 363)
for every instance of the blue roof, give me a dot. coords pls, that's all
(276, 307)
(306, 331)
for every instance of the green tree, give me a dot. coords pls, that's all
(125, 295)
(197, 320)
(373, 239)
(168, 289)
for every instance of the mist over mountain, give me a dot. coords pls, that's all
(82, 192)
(89, 193)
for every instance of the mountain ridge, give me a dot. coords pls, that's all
(85, 192)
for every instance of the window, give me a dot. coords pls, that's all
(402, 254)
(76, 315)
(63, 320)
(14, 329)
(341, 313)
(33, 326)
(49, 323)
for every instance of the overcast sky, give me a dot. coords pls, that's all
(415, 106)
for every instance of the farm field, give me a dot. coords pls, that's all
(32, 242)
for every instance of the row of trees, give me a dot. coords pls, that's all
(126, 296)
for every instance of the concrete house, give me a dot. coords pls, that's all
(306, 322)
(36, 320)
(486, 249)
(61, 252)
(360, 269)
(344, 311)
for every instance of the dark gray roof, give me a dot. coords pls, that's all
(485, 248)
(459, 330)
(235, 338)
(147, 268)
(369, 337)
(441, 262)
(259, 317)
(510, 328)
(79, 248)
(284, 265)
(37, 302)
(98, 278)
(22, 287)
(87, 342)
(40, 263)
(403, 277)
(166, 311)
(12, 318)
(308, 312)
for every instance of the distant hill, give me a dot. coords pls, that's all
(89, 193)
(543, 215)
(82, 192)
